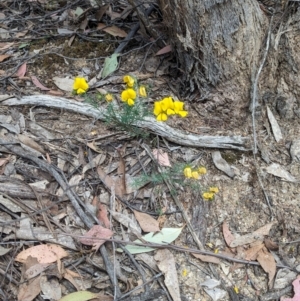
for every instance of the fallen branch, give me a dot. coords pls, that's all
(159, 128)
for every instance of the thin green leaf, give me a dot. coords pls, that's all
(79, 296)
(110, 65)
(166, 235)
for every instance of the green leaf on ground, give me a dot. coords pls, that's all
(110, 65)
(165, 236)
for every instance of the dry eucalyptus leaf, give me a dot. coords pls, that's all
(251, 237)
(207, 258)
(277, 170)
(43, 253)
(295, 150)
(146, 222)
(274, 125)
(268, 263)
(221, 164)
(166, 264)
(65, 84)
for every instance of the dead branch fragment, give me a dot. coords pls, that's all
(159, 128)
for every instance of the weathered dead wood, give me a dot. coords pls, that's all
(159, 128)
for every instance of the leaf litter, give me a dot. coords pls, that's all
(61, 150)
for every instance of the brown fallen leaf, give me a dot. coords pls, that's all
(267, 262)
(113, 30)
(4, 57)
(109, 182)
(31, 143)
(166, 264)
(229, 238)
(207, 258)
(38, 84)
(252, 252)
(29, 290)
(21, 71)
(164, 50)
(146, 222)
(96, 236)
(259, 234)
(270, 244)
(102, 215)
(161, 157)
(43, 253)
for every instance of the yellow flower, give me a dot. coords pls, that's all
(236, 289)
(128, 95)
(187, 172)
(195, 175)
(202, 170)
(160, 114)
(184, 272)
(208, 195)
(80, 85)
(214, 189)
(108, 97)
(167, 105)
(128, 80)
(130, 102)
(142, 91)
(178, 108)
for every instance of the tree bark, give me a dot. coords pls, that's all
(216, 41)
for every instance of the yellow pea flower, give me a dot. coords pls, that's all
(208, 195)
(214, 189)
(129, 80)
(142, 91)
(236, 289)
(195, 175)
(80, 85)
(188, 172)
(178, 108)
(159, 112)
(202, 170)
(128, 94)
(130, 102)
(108, 97)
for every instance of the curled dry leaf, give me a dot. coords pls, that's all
(43, 253)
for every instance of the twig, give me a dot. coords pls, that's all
(254, 92)
(132, 32)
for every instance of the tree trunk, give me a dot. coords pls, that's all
(216, 41)
(220, 45)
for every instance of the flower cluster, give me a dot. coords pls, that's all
(167, 107)
(80, 85)
(129, 95)
(209, 195)
(194, 173)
